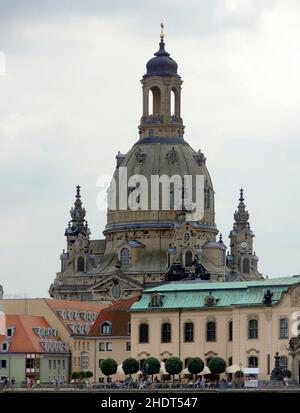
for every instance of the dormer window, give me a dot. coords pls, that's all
(106, 327)
(4, 347)
(156, 300)
(9, 332)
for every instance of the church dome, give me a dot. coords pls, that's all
(163, 156)
(162, 64)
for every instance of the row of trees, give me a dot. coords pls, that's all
(173, 366)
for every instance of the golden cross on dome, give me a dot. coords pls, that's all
(162, 35)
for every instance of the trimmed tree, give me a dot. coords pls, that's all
(287, 373)
(174, 366)
(88, 374)
(130, 366)
(195, 365)
(75, 375)
(151, 366)
(217, 365)
(82, 375)
(239, 374)
(108, 367)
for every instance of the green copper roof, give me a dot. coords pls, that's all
(192, 294)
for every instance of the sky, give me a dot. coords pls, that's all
(70, 99)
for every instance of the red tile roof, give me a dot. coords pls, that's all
(117, 314)
(65, 310)
(25, 339)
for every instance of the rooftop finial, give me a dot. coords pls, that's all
(162, 35)
(242, 195)
(78, 192)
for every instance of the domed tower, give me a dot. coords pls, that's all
(161, 214)
(146, 240)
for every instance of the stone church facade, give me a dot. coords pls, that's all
(144, 247)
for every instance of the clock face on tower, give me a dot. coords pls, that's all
(243, 245)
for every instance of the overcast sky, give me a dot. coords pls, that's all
(71, 99)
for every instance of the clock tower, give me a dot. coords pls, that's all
(242, 259)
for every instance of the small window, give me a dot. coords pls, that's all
(50, 364)
(80, 264)
(54, 364)
(109, 346)
(84, 361)
(106, 328)
(125, 257)
(58, 364)
(99, 362)
(128, 346)
(9, 332)
(246, 266)
(230, 331)
(253, 362)
(156, 300)
(63, 364)
(253, 329)
(188, 332)
(188, 259)
(4, 347)
(143, 333)
(283, 328)
(101, 346)
(211, 331)
(3, 364)
(129, 329)
(166, 333)
(284, 363)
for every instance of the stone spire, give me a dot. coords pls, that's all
(241, 216)
(78, 222)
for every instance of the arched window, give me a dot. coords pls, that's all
(129, 329)
(229, 361)
(246, 266)
(166, 333)
(188, 259)
(253, 329)
(84, 361)
(253, 362)
(105, 328)
(154, 101)
(211, 331)
(124, 257)
(188, 332)
(284, 362)
(173, 102)
(80, 264)
(230, 330)
(144, 333)
(283, 328)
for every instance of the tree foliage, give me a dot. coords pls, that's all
(174, 365)
(109, 367)
(151, 366)
(130, 366)
(195, 365)
(217, 365)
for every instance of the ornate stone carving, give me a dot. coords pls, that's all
(172, 156)
(140, 156)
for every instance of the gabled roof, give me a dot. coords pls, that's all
(59, 307)
(193, 294)
(118, 315)
(25, 339)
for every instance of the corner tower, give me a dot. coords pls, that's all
(242, 259)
